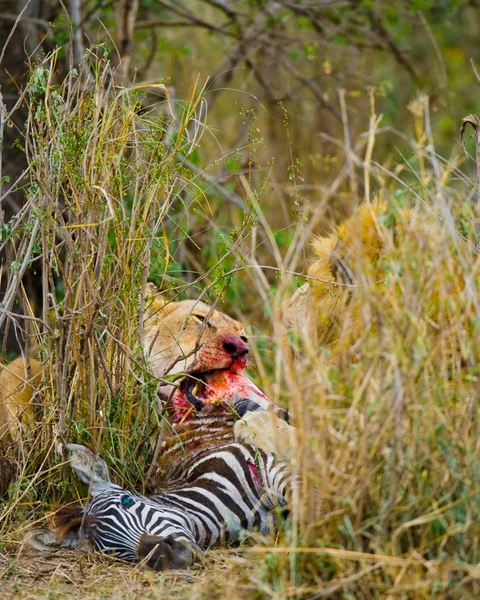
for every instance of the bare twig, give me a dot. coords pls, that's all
(77, 42)
(15, 25)
(348, 145)
(474, 122)
(314, 88)
(17, 277)
(189, 15)
(126, 25)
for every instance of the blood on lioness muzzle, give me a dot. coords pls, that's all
(221, 387)
(216, 382)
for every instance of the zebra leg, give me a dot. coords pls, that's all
(48, 541)
(164, 554)
(64, 530)
(266, 431)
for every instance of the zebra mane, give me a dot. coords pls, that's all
(67, 520)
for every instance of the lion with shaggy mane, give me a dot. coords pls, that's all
(357, 259)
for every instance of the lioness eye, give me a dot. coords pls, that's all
(203, 319)
(244, 338)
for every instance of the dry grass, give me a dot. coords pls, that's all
(76, 575)
(388, 440)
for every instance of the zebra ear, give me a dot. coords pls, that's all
(91, 469)
(48, 541)
(164, 554)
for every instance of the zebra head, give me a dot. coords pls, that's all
(119, 522)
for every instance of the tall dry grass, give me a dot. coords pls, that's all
(388, 442)
(387, 437)
(104, 189)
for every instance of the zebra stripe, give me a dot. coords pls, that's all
(115, 529)
(185, 442)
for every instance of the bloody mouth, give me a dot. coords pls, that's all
(209, 390)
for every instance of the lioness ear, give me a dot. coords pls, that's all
(154, 301)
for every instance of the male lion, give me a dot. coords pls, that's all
(360, 259)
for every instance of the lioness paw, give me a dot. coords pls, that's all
(264, 430)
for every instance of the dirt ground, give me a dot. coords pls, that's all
(31, 574)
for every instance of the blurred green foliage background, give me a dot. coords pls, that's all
(288, 90)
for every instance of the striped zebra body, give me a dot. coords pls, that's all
(181, 443)
(116, 520)
(225, 491)
(230, 490)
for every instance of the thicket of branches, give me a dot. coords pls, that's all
(273, 67)
(118, 174)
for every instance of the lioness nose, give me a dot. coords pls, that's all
(235, 346)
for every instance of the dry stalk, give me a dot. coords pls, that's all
(474, 122)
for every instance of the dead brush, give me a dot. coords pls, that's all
(103, 176)
(388, 438)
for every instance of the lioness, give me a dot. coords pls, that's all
(211, 348)
(18, 381)
(330, 308)
(178, 337)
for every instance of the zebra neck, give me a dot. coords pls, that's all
(229, 490)
(184, 442)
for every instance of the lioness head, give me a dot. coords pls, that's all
(206, 345)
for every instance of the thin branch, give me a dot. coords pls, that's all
(314, 88)
(15, 25)
(77, 42)
(17, 278)
(34, 20)
(161, 23)
(385, 36)
(224, 7)
(230, 196)
(17, 317)
(126, 26)
(187, 14)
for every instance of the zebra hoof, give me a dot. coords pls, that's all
(266, 431)
(245, 405)
(283, 414)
